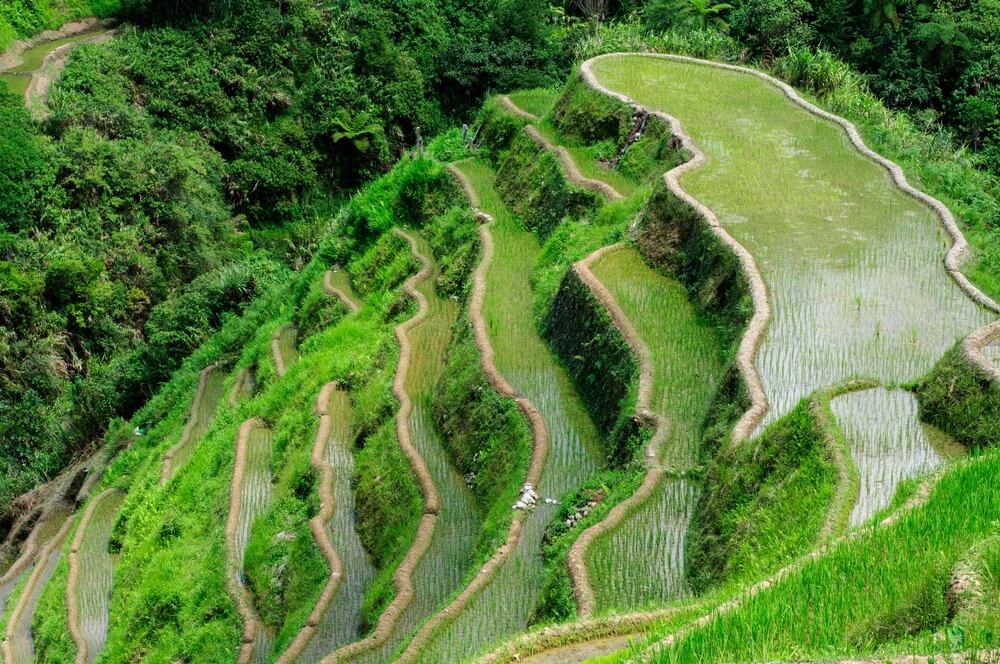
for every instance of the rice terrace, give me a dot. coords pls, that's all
(511, 331)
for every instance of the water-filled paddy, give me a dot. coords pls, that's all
(446, 562)
(642, 561)
(18, 78)
(201, 417)
(502, 608)
(254, 501)
(888, 444)
(852, 264)
(343, 617)
(96, 573)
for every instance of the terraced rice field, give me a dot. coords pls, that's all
(254, 500)
(342, 619)
(502, 608)
(888, 444)
(202, 412)
(443, 567)
(642, 561)
(18, 646)
(285, 348)
(587, 160)
(853, 265)
(95, 566)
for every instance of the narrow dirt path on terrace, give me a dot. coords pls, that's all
(283, 348)
(512, 106)
(571, 170)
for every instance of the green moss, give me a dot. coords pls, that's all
(764, 501)
(498, 127)
(600, 362)
(674, 238)
(589, 116)
(485, 434)
(531, 182)
(962, 400)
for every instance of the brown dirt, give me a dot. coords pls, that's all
(73, 580)
(539, 431)
(318, 527)
(168, 458)
(352, 304)
(237, 591)
(403, 577)
(509, 104)
(570, 168)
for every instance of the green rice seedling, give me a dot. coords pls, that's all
(537, 101)
(839, 230)
(877, 594)
(254, 501)
(288, 344)
(341, 620)
(23, 603)
(201, 419)
(96, 567)
(589, 160)
(642, 561)
(504, 606)
(447, 561)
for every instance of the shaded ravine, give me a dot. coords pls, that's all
(442, 568)
(497, 602)
(249, 497)
(210, 383)
(88, 584)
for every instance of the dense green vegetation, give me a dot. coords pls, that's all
(201, 172)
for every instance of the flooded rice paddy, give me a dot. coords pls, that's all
(254, 501)
(888, 444)
(642, 561)
(502, 608)
(201, 418)
(853, 265)
(96, 573)
(440, 572)
(342, 620)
